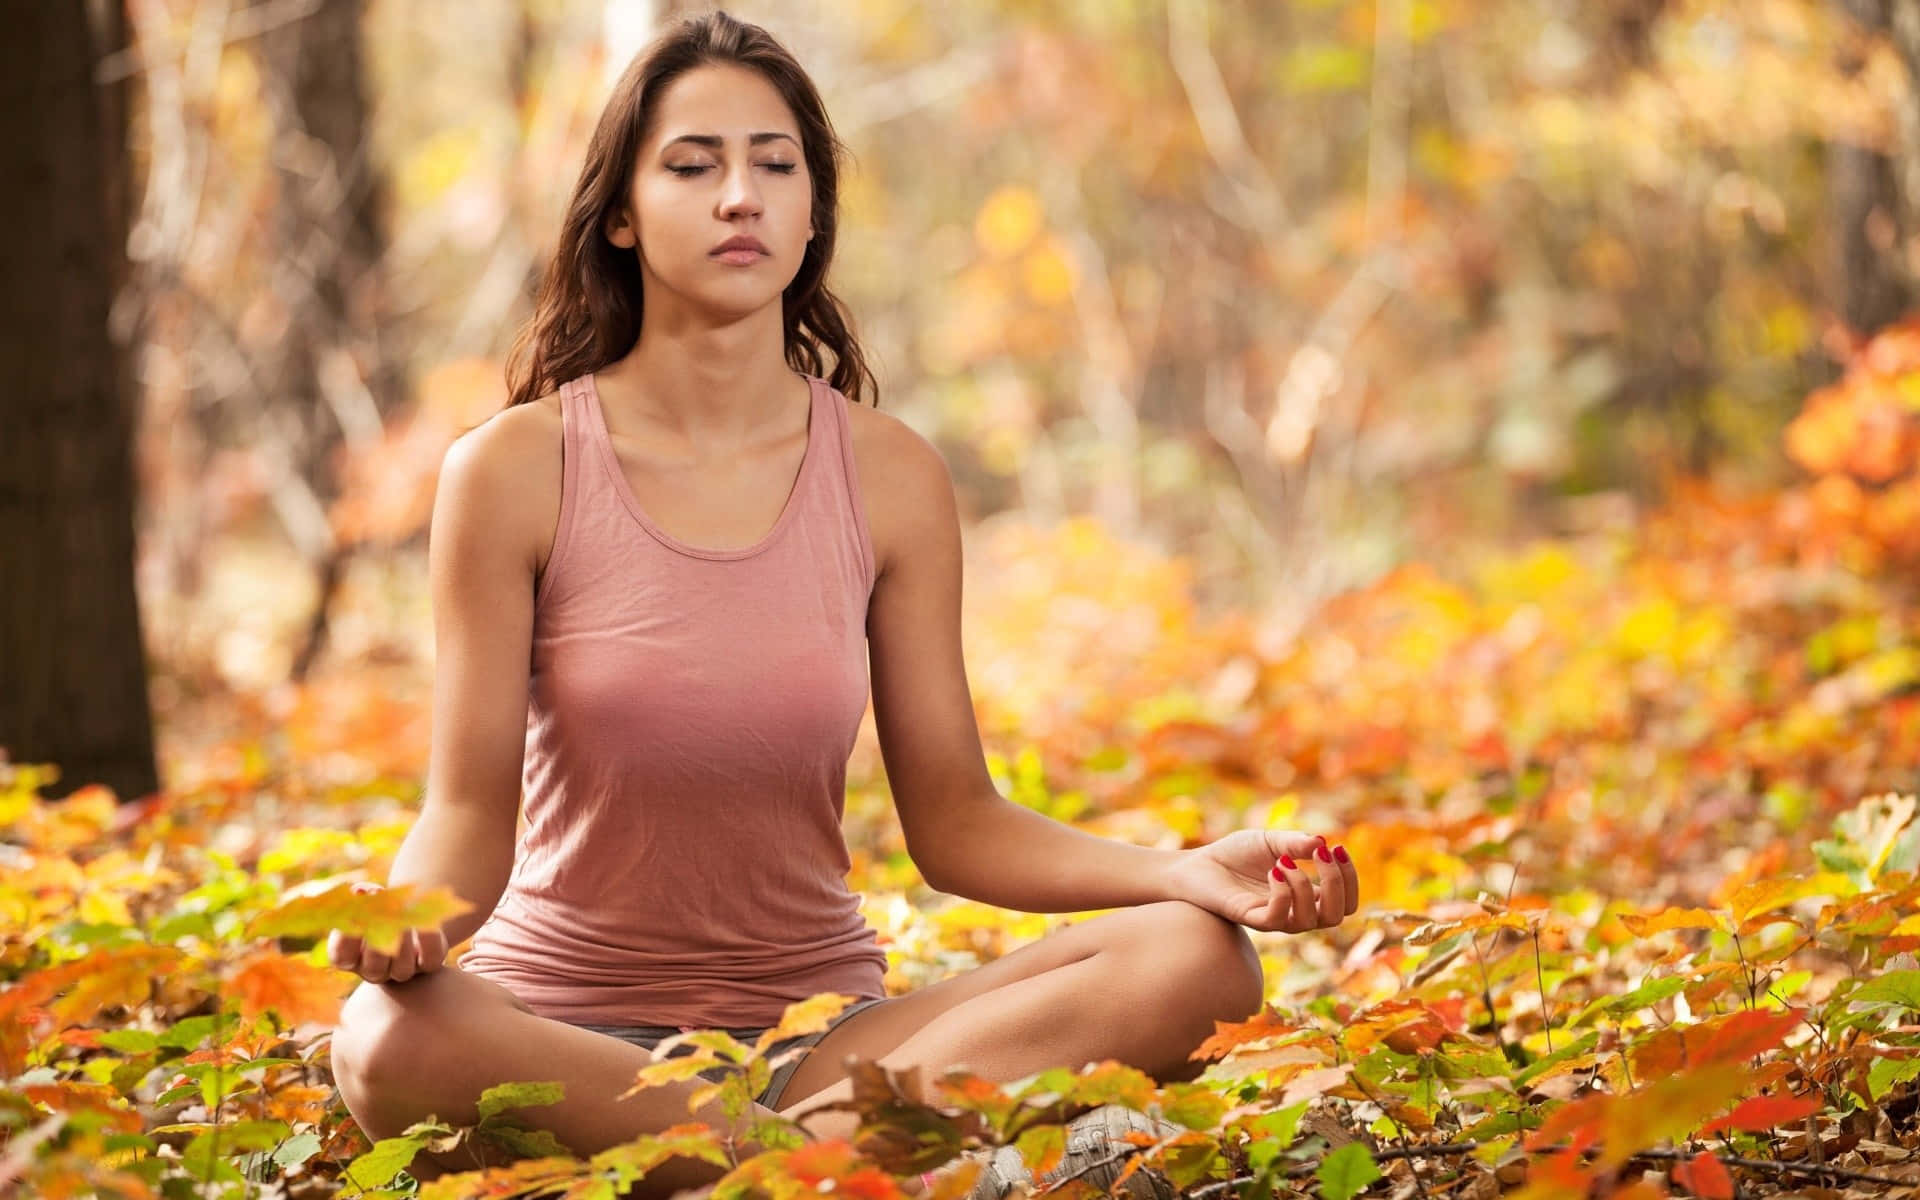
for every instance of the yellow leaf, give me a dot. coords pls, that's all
(805, 1016)
(1670, 918)
(379, 916)
(1008, 220)
(1047, 272)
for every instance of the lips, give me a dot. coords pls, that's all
(739, 243)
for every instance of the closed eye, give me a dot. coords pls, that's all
(686, 172)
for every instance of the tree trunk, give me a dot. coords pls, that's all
(338, 372)
(73, 681)
(1867, 211)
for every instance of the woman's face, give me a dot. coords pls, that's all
(721, 160)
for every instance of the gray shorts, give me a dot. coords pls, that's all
(649, 1036)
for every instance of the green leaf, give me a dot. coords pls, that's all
(525, 1141)
(1646, 995)
(1885, 1072)
(217, 1142)
(130, 1041)
(1194, 1105)
(1282, 1125)
(1347, 1171)
(1894, 987)
(390, 1156)
(1041, 1147)
(501, 1097)
(297, 1149)
(188, 1034)
(1573, 1049)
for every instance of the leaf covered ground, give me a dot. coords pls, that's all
(1633, 813)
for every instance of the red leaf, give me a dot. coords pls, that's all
(1704, 1176)
(1760, 1113)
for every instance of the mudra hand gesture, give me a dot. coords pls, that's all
(1261, 878)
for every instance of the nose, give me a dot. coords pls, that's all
(739, 194)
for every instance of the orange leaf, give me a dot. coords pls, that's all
(1742, 1035)
(293, 987)
(121, 975)
(1669, 1109)
(1577, 1122)
(1227, 1035)
(1760, 1113)
(1645, 925)
(1704, 1176)
(818, 1161)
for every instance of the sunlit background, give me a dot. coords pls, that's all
(1292, 291)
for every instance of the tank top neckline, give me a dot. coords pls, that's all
(598, 433)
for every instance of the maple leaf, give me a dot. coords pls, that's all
(292, 987)
(1226, 1036)
(379, 916)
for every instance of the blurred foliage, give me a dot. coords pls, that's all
(1294, 288)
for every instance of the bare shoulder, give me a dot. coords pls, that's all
(505, 473)
(905, 485)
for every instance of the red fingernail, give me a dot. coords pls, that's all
(1286, 861)
(1322, 855)
(1340, 852)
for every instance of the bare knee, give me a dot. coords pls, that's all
(368, 1035)
(388, 1033)
(1211, 967)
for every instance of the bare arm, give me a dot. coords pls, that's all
(966, 838)
(496, 500)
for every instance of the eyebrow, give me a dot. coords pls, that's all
(716, 141)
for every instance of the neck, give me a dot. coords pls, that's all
(711, 384)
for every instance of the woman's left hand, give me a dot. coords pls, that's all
(1241, 877)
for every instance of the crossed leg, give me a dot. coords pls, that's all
(1142, 985)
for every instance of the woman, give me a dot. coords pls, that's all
(658, 576)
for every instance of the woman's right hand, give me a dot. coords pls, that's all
(419, 951)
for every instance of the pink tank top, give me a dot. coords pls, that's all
(690, 715)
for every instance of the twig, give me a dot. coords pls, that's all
(1746, 971)
(1418, 1179)
(1546, 1012)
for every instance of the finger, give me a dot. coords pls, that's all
(1333, 889)
(1291, 842)
(1351, 876)
(1279, 907)
(405, 955)
(374, 965)
(343, 950)
(433, 948)
(1301, 914)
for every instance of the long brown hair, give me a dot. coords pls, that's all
(588, 312)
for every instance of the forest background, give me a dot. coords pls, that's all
(1485, 428)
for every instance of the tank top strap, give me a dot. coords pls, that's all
(576, 474)
(840, 473)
